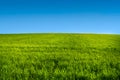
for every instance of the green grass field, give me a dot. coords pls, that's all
(59, 57)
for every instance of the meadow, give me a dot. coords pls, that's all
(59, 56)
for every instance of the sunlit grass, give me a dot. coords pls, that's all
(60, 57)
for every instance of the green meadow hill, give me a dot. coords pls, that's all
(59, 56)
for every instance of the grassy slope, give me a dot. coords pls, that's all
(59, 57)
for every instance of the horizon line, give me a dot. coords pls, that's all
(59, 33)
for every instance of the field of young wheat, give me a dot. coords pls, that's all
(59, 57)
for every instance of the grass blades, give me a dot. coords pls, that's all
(59, 57)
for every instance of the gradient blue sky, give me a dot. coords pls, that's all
(79, 16)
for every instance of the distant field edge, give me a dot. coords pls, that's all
(60, 33)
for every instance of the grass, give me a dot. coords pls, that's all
(59, 57)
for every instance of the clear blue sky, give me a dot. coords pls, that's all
(79, 16)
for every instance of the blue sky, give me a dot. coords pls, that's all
(76, 16)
